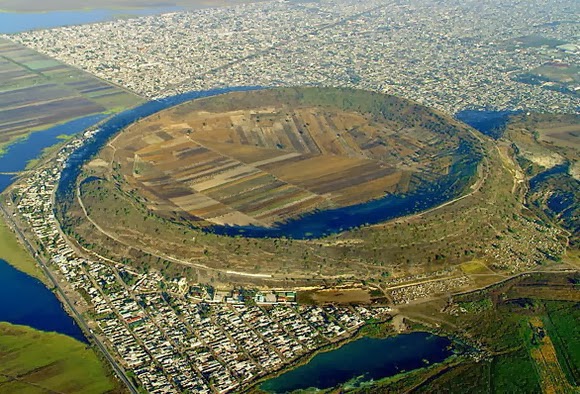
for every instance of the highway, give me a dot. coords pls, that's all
(75, 314)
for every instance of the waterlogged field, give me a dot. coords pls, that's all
(260, 158)
(38, 92)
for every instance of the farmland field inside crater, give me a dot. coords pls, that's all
(264, 157)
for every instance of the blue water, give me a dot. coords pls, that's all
(364, 359)
(313, 225)
(5, 181)
(16, 22)
(21, 152)
(26, 301)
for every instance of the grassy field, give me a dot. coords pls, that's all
(530, 340)
(561, 322)
(16, 255)
(37, 362)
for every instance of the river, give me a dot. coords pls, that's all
(363, 360)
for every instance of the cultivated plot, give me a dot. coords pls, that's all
(37, 92)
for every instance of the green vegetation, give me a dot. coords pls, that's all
(477, 306)
(39, 92)
(65, 137)
(36, 362)
(561, 321)
(15, 254)
(377, 330)
(518, 364)
(514, 333)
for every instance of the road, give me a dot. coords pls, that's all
(75, 314)
(153, 252)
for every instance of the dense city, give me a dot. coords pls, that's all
(451, 55)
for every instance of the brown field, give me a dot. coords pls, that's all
(342, 296)
(248, 163)
(552, 377)
(564, 136)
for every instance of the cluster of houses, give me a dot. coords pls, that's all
(170, 335)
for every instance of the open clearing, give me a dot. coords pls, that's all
(341, 296)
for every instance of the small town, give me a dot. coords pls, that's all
(451, 55)
(170, 335)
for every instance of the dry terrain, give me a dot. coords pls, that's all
(265, 157)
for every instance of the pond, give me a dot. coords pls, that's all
(363, 360)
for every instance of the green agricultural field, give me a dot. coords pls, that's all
(562, 324)
(514, 331)
(38, 92)
(14, 253)
(505, 367)
(37, 362)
